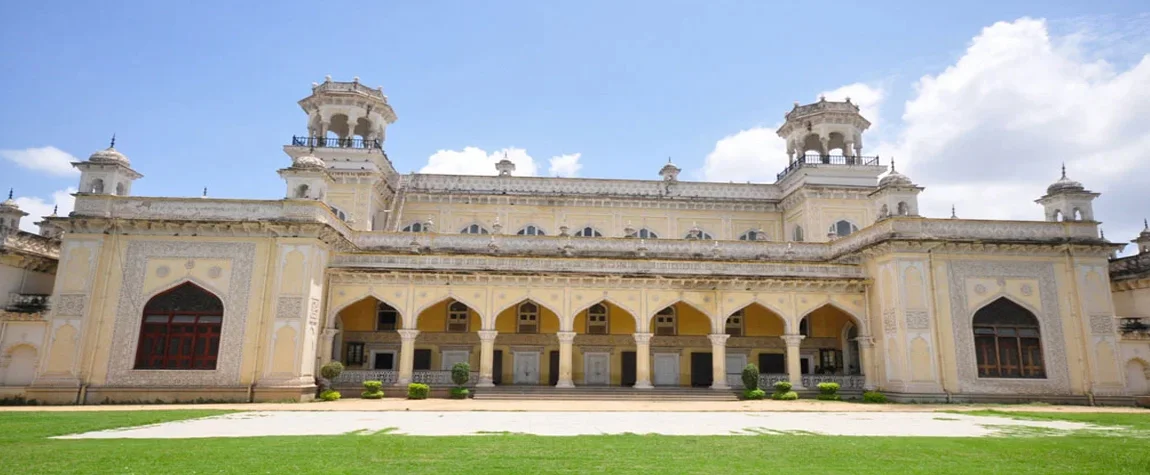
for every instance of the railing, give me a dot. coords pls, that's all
(815, 161)
(336, 86)
(1134, 328)
(355, 377)
(854, 381)
(373, 144)
(1130, 266)
(27, 303)
(767, 381)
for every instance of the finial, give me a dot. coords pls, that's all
(1101, 234)
(355, 79)
(1145, 225)
(113, 144)
(55, 209)
(327, 78)
(848, 99)
(892, 165)
(1063, 170)
(952, 215)
(10, 190)
(205, 192)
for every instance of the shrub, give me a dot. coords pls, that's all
(754, 394)
(874, 397)
(372, 390)
(783, 386)
(829, 392)
(418, 391)
(331, 370)
(787, 396)
(751, 377)
(459, 393)
(460, 373)
(329, 395)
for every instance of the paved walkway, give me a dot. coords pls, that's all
(397, 404)
(301, 423)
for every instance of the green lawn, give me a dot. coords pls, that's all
(24, 448)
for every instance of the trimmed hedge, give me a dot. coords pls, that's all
(783, 386)
(372, 390)
(460, 373)
(787, 396)
(331, 370)
(418, 391)
(874, 397)
(754, 394)
(330, 395)
(829, 392)
(751, 377)
(459, 393)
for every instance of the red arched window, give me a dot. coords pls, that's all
(180, 330)
(1007, 342)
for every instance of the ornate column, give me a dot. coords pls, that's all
(866, 355)
(328, 345)
(719, 360)
(643, 361)
(565, 341)
(486, 358)
(406, 356)
(794, 369)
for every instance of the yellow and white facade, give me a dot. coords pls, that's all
(828, 274)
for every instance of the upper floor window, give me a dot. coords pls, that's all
(588, 232)
(528, 318)
(843, 228)
(753, 235)
(180, 330)
(797, 234)
(699, 234)
(413, 228)
(457, 314)
(473, 229)
(646, 234)
(665, 321)
(386, 317)
(531, 230)
(339, 213)
(597, 319)
(735, 324)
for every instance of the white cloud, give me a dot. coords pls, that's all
(868, 98)
(37, 207)
(49, 159)
(565, 165)
(991, 131)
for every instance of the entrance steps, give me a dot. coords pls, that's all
(601, 393)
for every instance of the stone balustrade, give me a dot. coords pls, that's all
(356, 377)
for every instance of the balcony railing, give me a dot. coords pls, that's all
(27, 303)
(356, 377)
(815, 161)
(373, 144)
(853, 381)
(1134, 328)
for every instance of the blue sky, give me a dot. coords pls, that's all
(204, 93)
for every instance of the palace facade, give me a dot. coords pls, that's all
(827, 274)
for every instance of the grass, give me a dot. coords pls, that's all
(25, 448)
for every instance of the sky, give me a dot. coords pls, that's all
(979, 102)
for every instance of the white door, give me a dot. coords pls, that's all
(735, 365)
(454, 356)
(597, 369)
(666, 369)
(526, 367)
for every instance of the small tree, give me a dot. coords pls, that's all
(460, 374)
(372, 390)
(751, 377)
(328, 373)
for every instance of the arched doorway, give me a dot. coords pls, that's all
(180, 330)
(448, 334)
(599, 359)
(686, 359)
(527, 337)
(754, 338)
(1008, 341)
(824, 349)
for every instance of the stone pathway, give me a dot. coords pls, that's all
(305, 423)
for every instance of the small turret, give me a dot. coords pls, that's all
(107, 172)
(670, 172)
(10, 216)
(1068, 200)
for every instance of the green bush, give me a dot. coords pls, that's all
(829, 392)
(418, 391)
(751, 377)
(874, 397)
(329, 395)
(785, 396)
(783, 386)
(460, 373)
(372, 390)
(331, 370)
(754, 394)
(459, 393)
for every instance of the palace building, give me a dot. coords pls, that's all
(827, 274)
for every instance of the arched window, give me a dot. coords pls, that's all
(1007, 342)
(473, 229)
(386, 318)
(457, 317)
(97, 186)
(301, 192)
(645, 234)
(1058, 215)
(903, 209)
(120, 189)
(597, 323)
(531, 230)
(339, 213)
(1077, 214)
(698, 234)
(753, 235)
(884, 212)
(413, 228)
(180, 330)
(734, 324)
(528, 318)
(843, 228)
(665, 321)
(588, 232)
(798, 234)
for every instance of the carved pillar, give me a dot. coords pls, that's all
(719, 360)
(406, 356)
(486, 358)
(643, 361)
(565, 341)
(866, 357)
(794, 369)
(350, 130)
(328, 342)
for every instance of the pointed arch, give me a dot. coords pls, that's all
(180, 329)
(769, 308)
(612, 301)
(1008, 341)
(446, 298)
(855, 319)
(540, 313)
(333, 312)
(650, 318)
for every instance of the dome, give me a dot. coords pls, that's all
(1064, 185)
(109, 156)
(894, 178)
(308, 161)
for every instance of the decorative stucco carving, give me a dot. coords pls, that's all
(289, 307)
(132, 299)
(917, 320)
(1050, 324)
(890, 321)
(1102, 325)
(70, 305)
